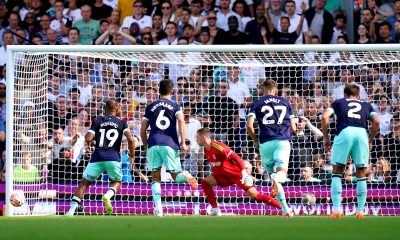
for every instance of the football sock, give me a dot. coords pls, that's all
(110, 193)
(180, 178)
(74, 203)
(361, 190)
(209, 192)
(267, 199)
(156, 190)
(336, 192)
(282, 199)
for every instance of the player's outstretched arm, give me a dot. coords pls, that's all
(143, 132)
(325, 124)
(250, 130)
(374, 128)
(182, 131)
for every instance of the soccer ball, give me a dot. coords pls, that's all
(17, 199)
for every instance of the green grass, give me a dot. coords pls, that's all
(199, 227)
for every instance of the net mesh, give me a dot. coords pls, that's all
(56, 96)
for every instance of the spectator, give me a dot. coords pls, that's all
(146, 39)
(114, 18)
(189, 33)
(3, 100)
(73, 36)
(224, 14)
(197, 8)
(306, 173)
(385, 116)
(28, 23)
(45, 21)
(124, 8)
(362, 35)
(73, 13)
(84, 86)
(217, 35)
(295, 20)
(208, 6)
(320, 21)
(204, 37)
(339, 29)
(193, 160)
(13, 25)
(25, 171)
(89, 29)
(60, 23)
(37, 39)
(384, 33)
(183, 19)
(171, 38)
(22, 39)
(157, 30)
(321, 169)
(74, 105)
(381, 172)
(242, 9)
(58, 116)
(233, 35)
(7, 40)
(51, 36)
(255, 27)
(283, 37)
(346, 77)
(223, 113)
(275, 12)
(167, 14)
(395, 18)
(101, 10)
(144, 22)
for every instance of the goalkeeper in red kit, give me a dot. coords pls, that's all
(227, 169)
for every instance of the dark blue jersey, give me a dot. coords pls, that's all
(108, 132)
(161, 115)
(351, 112)
(273, 115)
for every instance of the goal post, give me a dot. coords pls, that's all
(130, 73)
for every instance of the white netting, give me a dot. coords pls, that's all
(68, 90)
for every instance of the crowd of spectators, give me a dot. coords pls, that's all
(217, 97)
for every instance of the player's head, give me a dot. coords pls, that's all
(270, 87)
(166, 87)
(352, 90)
(112, 107)
(203, 136)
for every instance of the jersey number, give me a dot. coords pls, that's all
(162, 121)
(111, 135)
(270, 112)
(353, 112)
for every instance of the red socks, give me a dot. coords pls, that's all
(209, 192)
(268, 200)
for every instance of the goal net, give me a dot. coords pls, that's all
(53, 94)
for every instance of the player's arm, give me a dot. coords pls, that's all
(293, 126)
(182, 130)
(374, 128)
(131, 144)
(143, 132)
(250, 130)
(325, 125)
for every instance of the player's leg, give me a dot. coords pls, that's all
(154, 165)
(255, 195)
(114, 172)
(91, 173)
(360, 156)
(281, 156)
(172, 162)
(208, 184)
(341, 149)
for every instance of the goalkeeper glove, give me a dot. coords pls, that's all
(247, 180)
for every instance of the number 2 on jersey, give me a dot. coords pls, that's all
(111, 135)
(270, 112)
(353, 112)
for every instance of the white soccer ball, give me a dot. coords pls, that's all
(17, 199)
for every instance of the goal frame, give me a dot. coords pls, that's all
(13, 49)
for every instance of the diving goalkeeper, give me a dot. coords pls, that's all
(227, 169)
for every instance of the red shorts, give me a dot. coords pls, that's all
(224, 181)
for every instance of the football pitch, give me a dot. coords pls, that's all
(198, 227)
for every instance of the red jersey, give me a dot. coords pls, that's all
(223, 160)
